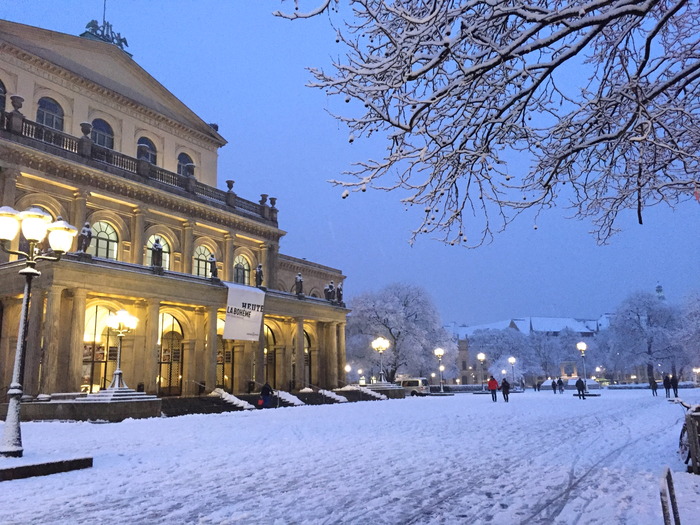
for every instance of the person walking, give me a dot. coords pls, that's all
(505, 389)
(667, 385)
(581, 388)
(560, 384)
(674, 385)
(493, 388)
(654, 386)
(554, 386)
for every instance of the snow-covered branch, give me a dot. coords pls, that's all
(491, 108)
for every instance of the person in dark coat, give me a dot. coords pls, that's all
(653, 385)
(493, 388)
(674, 385)
(581, 388)
(266, 394)
(667, 385)
(554, 386)
(505, 389)
(560, 384)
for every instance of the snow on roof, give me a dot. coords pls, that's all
(527, 325)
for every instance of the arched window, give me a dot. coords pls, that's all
(147, 150)
(170, 357)
(50, 114)
(184, 161)
(241, 270)
(102, 133)
(99, 350)
(200, 262)
(104, 241)
(3, 95)
(166, 251)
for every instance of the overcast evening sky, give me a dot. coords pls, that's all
(235, 64)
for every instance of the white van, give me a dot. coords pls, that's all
(415, 386)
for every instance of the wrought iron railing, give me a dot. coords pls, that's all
(16, 124)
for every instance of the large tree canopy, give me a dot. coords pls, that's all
(492, 107)
(406, 316)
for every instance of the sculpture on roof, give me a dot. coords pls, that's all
(105, 33)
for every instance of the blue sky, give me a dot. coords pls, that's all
(235, 64)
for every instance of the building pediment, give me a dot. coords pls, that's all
(106, 66)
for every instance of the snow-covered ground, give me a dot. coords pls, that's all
(542, 458)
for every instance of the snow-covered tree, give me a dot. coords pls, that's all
(488, 108)
(642, 332)
(688, 333)
(406, 316)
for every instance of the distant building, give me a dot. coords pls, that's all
(88, 135)
(471, 370)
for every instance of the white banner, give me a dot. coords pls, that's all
(244, 312)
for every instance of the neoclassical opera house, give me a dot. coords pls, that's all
(89, 136)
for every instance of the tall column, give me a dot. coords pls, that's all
(271, 266)
(282, 367)
(240, 370)
(193, 366)
(332, 353)
(79, 209)
(150, 354)
(187, 247)
(341, 354)
(259, 356)
(137, 233)
(32, 359)
(51, 340)
(133, 348)
(299, 354)
(8, 185)
(210, 355)
(8, 194)
(267, 281)
(72, 381)
(8, 340)
(229, 248)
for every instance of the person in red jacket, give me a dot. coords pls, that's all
(493, 388)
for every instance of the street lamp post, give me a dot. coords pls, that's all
(581, 346)
(511, 360)
(481, 357)
(122, 323)
(35, 224)
(380, 345)
(439, 352)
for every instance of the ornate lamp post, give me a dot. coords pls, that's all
(121, 323)
(581, 347)
(481, 357)
(511, 360)
(35, 224)
(439, 352)
(380, 345)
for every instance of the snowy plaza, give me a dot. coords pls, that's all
(542, 458)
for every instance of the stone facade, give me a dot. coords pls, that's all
(55, 154)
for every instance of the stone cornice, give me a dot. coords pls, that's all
(139, 191)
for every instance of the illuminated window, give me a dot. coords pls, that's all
(241, 270)
(200, 262)
(105, 241)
